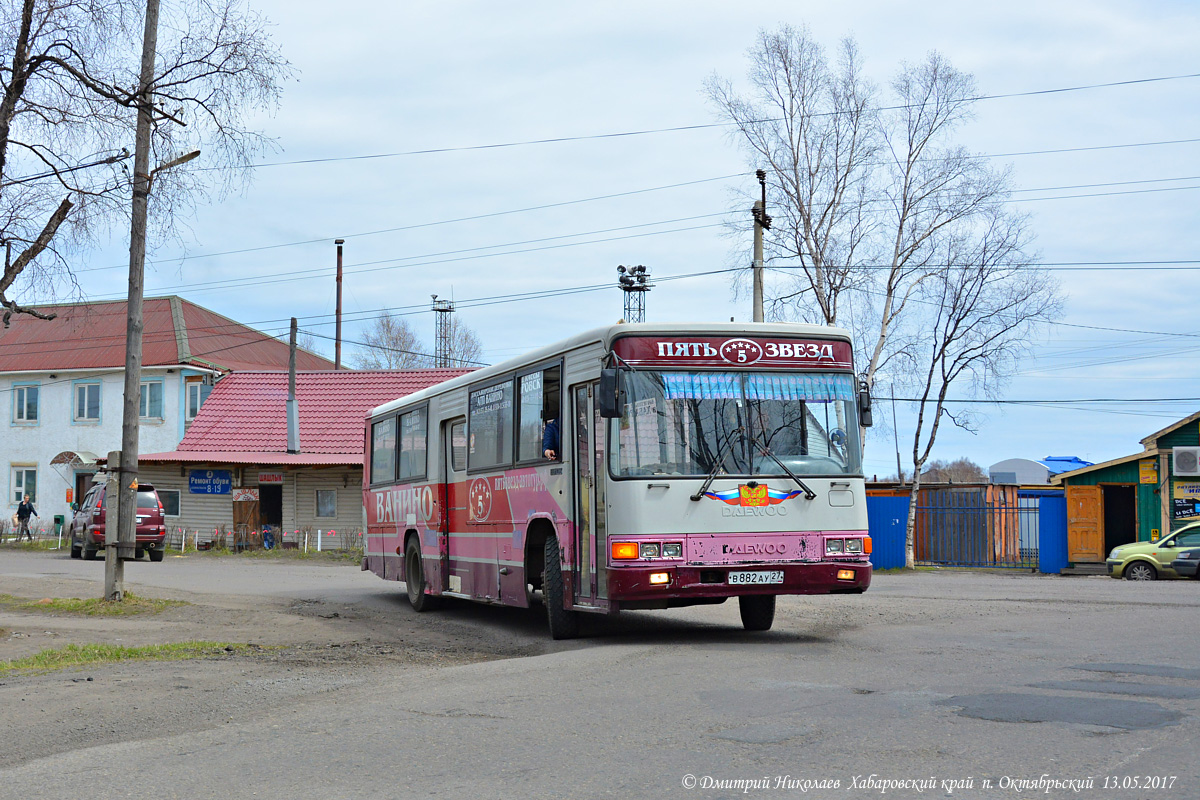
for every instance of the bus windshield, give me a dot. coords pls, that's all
(683, 423)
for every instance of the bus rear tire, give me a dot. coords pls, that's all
(414, 578)
(564, 624)
(758, 611)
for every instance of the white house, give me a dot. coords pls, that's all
(64, 381)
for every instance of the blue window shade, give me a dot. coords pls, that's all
(702, 386)
(813, 387)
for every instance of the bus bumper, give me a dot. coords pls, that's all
(632, 584)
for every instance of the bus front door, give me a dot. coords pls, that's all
(590, 538)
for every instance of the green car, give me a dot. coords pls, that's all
(1147, 561)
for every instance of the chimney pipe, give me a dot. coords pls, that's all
(337, 346)
(293, 414)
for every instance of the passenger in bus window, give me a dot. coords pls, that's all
(550, 439)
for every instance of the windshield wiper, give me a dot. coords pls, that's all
(766, 451)
(712, 473)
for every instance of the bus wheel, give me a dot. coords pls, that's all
(564, 624)
(414, 578)
(758, 611)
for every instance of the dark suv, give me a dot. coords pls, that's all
(87, 527)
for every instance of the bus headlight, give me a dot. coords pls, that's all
(834, 546)
(854, 546)
(649, 550)
(673, 550)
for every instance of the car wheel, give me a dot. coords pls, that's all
(157, 555)
(414, 578)
(1140, 571)
(89, 553)
(758, 611)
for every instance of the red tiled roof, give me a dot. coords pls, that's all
(244, 420)
(175, 331)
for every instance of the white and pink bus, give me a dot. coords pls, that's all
(684, 465)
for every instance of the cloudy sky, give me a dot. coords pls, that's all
(476, 223)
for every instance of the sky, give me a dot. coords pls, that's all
(476, 222)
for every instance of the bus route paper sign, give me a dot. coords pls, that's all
(210, 481)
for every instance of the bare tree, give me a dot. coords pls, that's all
(863, 197)
(960, 470)
(982, 315)
(814, 126)
(70, 78)
(465, 347)
(391, 343)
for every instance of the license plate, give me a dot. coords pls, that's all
(743, 578)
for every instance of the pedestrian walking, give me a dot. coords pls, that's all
(24, 512)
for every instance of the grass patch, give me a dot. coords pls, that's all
(93, 606)
(277, 554)
(77, 655)
(36, 545)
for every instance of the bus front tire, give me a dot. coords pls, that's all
(564, 624)
(414, 578)
(758, 611)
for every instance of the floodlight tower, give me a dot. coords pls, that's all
(441, 331)
(634, 282)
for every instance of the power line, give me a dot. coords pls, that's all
(703, 126)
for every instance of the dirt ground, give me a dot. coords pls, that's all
(307, 647)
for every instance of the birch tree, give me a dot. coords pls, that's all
(69, 77)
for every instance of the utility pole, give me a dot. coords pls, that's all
(127, 471)
(762, 222)
(293, 413)
(337, 336)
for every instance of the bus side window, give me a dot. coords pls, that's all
(539, 393)
(412, 445)
(490, 435)
(383, 451)
(458, 446)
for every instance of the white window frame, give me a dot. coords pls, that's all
(318, 502)
(83, 385)
(19, 493)
(144, 400)
(193, 388)
(20, 393)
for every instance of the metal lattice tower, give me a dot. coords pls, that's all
(634, 282)
(441, 331)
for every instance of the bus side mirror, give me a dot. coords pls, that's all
(864, 407)
(608, 398)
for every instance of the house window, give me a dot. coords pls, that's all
(326, 502)
(150, 404)
(170, 501)
(197, 393)
(25, 404)
(87, 402)
(24, 482)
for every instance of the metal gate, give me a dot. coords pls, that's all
(976, 526)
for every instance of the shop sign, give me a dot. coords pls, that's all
(1185, 500)
(210, 481)
(1148, 471)
(245, 495)
(270, 477)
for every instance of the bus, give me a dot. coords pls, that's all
(693, 464)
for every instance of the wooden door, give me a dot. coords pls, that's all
(1085, 524)
(245, 523)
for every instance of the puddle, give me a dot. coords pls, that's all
(1123, 687)
(1155, 670)
(1011, 707)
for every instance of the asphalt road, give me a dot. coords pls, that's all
(938, 684)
